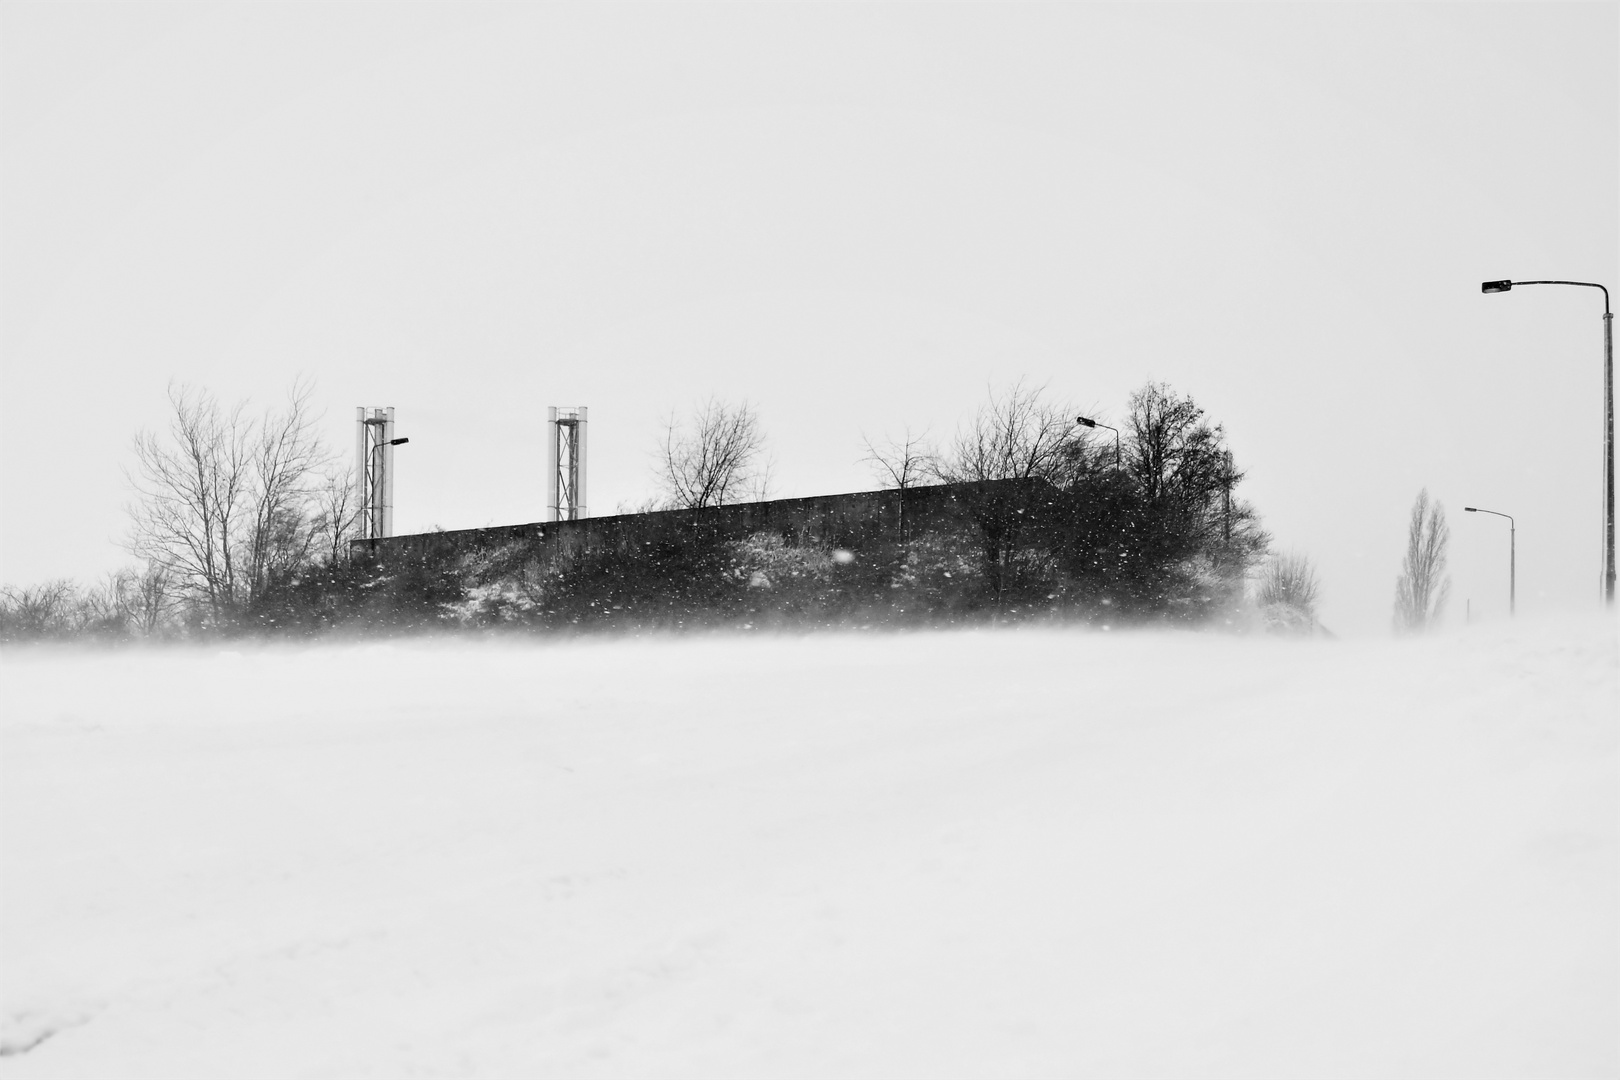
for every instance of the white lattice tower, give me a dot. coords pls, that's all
(374, 471)
(565, 463)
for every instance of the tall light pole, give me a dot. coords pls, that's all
(374, 470)
(1608, 420)
(1513, 556)
(1086, 421)
(382, 519)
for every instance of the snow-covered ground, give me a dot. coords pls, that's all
(1018, 853)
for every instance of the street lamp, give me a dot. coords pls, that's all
(1513, 544)
(1086, 421)
(390, 442)
(376, 510)
(1608, 419)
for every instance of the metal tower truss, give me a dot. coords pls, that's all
(565, 463)
(374, 472)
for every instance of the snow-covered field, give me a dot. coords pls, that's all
(1017, 853)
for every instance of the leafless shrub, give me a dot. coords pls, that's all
(766, 560)
(1287, 594)
(37, 611)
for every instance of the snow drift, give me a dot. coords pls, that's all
(1032, 853)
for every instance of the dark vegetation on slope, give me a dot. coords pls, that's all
(1027, 518)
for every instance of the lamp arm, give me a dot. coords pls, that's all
(1587, 284)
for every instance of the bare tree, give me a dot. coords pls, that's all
(103, 610)
(1185, 473)
(1015, 436)
(150, 599)
(1171, 451)
(1422, 588)
(719, 459)
(282, 527)
(337, 513)
(189, 488)
(901, 463)
(1287, 594)
(224, 503)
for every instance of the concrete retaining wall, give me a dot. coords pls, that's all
(851, 521)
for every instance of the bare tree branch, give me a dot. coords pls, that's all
(1171, 450)
(286, 459)
(718, 461)
(1015, 436)
(902, 463)
(151, 599)
(224, 503)
(337, 513)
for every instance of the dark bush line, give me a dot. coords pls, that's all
(1100, 552)
(1031, 521)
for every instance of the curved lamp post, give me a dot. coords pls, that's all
(1513, 544)
(389, 442)
(1608, 419)
(375, 496)
(1086, 421)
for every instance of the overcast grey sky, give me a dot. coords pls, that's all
(856, 217)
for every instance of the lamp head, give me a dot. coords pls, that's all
(1084, 421)
(1471, 509)
(398, 442)
(1495, 286)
